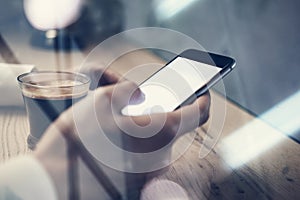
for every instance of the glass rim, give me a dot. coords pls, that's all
(76, 74)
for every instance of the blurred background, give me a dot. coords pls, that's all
(262, 35)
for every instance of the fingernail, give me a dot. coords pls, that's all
(137, 97)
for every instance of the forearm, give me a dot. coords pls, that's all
(51, 152)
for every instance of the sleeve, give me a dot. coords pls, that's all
(25, 178)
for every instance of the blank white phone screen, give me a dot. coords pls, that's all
(171, 86)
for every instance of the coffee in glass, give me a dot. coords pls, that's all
(46, 95)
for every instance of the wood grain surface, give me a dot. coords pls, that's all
(273, 174)
(13, 134)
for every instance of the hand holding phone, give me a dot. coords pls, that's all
(181, 81)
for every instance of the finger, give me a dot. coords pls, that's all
(100, 75)
(173, 123)
(122, 94)
(148, 133)
(189, 117)
(110, 77)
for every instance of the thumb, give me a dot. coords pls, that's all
(122, 94)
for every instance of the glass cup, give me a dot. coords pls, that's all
(46, 95)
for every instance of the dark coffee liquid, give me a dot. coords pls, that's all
(42, 112)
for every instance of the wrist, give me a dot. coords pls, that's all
(51, 152)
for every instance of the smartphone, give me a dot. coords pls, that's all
(183, 79)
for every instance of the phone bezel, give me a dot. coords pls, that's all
(225, 62)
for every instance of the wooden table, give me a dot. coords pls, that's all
(227, 172)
